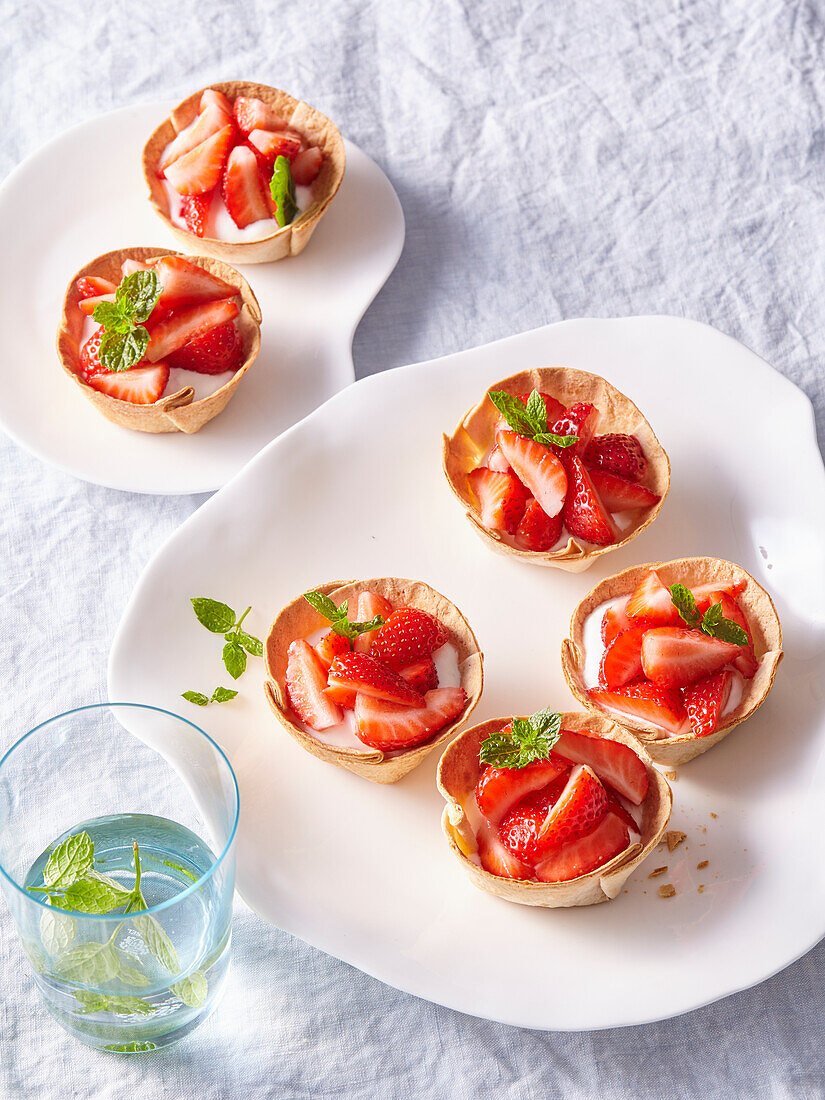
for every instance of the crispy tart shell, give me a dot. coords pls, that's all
(664, 748)
(298, 619)
(465, 449)
(458, 773)
(175, 412)
(292, 239)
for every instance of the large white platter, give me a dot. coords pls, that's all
(84, 194)
(362, 871)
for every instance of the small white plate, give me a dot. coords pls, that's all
(362, 871)
(84, 194)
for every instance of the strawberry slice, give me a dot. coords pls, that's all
(92, 286)
(705, 701)
(617, 453)
(243, 190)
(344, 697)
(194, 209)
(130, 266)
(199, 170)
(495, 857)
(537, 468)
(306, 681)
(184, 283)
(622, 660)
(652, 603)
(647, 702)
(521, 827)
(704, 593)
(500, 789)
(536, 530)
(745, 661)
(615, 807)
(361, 672)
(186, 324)
(306, 166)
(496, 461)
(370, 604)
(332, 645)
(616, 764)
(615, 620)
(422, 676)
(214, 352)
(675, 657)
(620, 495)
(253, 114)
(89, 305)
(502, 498)
(584, 514)
(607, 840)
(579, 420)
(90, 355)
(579, 810)
(207, 123)
(408, 635)
(388, 726)
(271, 145)
(139, 386)
(212, 97)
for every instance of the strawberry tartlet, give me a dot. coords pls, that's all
(158, 342)
(556, 467)
(552, 810)
(372, 675)
(679, 652)
(243, 172)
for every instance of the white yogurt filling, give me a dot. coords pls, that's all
(219, 224)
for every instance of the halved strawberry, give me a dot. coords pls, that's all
(199, 170)
(500, 789)
(617, 453)
(495, 857)
(647, 702)
(501, 497)
(90, 355)
(344, 697)
(615, 620)
(745, 661)
(208, 122)
(622, 659)
(363, 673)
(408, 635)
(130, 266)
(579, 420)
(587, 854)
(370, 604)
(496, 461)
(702, 593)
(584, 514)
(214, 352)
(521, 826)
(89, 305)
(271, 145)
(332, 645)
(306, 682)
(253, 114)
(616, 764)
(92, 286)
(422, 676)
(139, 386)
(388, 726)
(620, 495)
(242, 188)
(675, 657)
(537, 468)
(184, 283)
(212, 97)
(652, 603)
(579, 809)
(705, 701)
(536, 530)
(306, 166)
(194, 209)
(187, 324)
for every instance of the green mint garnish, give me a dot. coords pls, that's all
(713, 623)
(337, 616)
(195, 697)
(282, 189)
(219, 618)
(125, 340)
(528, 740)
(529, 420)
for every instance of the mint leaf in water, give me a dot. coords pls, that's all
(57, 931)
(282, 189)
(214, 615)
(234, 657)
(223, 695)
(157, 942)
(69, 861)
(131, 1048)
(195, 697)
(94, 895)
(192, 990)
(90, 963)
(524, 742)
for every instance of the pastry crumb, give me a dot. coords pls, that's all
(667, 891)
(701, 888)
(714, 815)
(674, 838)
(658, 871)
(670, 775)
(701, 866)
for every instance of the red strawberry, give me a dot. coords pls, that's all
(705, 701)
(422, 676)
(675, 657)
(344, 697)
(130, 266)
(647, 702)
(271, 145)
(205, 125)
(218, 350)
(618, 454)
(607, 840)
(652, 603)
(243, 191)
(388, 726)
(537, 468)
(496, 859)
(184, 283)
(501, 498)
(361, 672)
(254, 114)
(745, 660)
(702, 593)
(90, 355)
(615, 620)
(306, 682)
(521, 827)
(370, 604)
(584, 514)
(496, 461)
(579, 420)
(187, 324)
(306, 166)
(500, 789)
(622, 660)
(615, 807)
(332, 645)
(616, 764)
(620, 495)
(212, 97)
(91, 286)
(89, 305)
(194, 210)
(579, 809)
(140, 385)
(536, 530)
(408, 635)
(199, 170)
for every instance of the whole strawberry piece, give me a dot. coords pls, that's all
(619, 454)
(194, 210)
(218, 350)
(537, 530)
(584, 514)
(408, 635)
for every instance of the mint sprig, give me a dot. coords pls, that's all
(526, 741)
(529, 420)
(713, 623)
(282, 189)
(338, 618)
(219, 618)
(219, 695)
(125, 340)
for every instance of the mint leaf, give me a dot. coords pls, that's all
(157, 942)
(234, 658)
(123, 350)
(222, 695)
(715, 625)
(57, 931)
(350, 631)
(250, 643)
(215, 616)
(109, 315)
(69, 861)
(685, 604)
(119, 1004)
(282, 189)
(90, 963)
(137, 295)
(338, 617)
(325, 606)
(192, 990)
(529, 420)
(514, 412)
(131, 1048)
(548, 439)
(527, 740)
(195, 697)
(537, 411)
(96, 896)
(131, 975)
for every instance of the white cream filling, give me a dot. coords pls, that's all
(219, 224)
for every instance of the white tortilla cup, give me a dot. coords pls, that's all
(466, 448)
(458, 773)
(298, 619)
(174, 412)
(664, 748)
(281, 243)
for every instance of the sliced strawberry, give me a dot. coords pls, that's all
(616, 764)
(675, 657)
(388, 726)
(615, 620)
(607, 840)
(90, 355)
(215, 352)
(647, 702)
(140, 385)
(615, 807)
(253, 114)
(500, 789)
(422, 676)
(536, 530)
(495, 857)
(184, 283)
(306, 166)
(501, 497)
(194, 209)
(89, 305)
(702, 593)
(620, 495)
(187, 324)
(370, 604)
(579, 809)
(652, 603)
(705, 701)
(361, 672)
(622, 660)
(537, 468)
(579, 420)
(243, 191)
(205, 125)
(332, 645)
(199, 170)
(584, 514)
(745, 661)
(271, 145)
(306, 682)
(91, 286)
(408, 635)
(521, 826)
(618, 454)
(344, 697)
(212, 97)
(496, 461)
(130, 266)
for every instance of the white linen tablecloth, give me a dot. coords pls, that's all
(555, 159)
